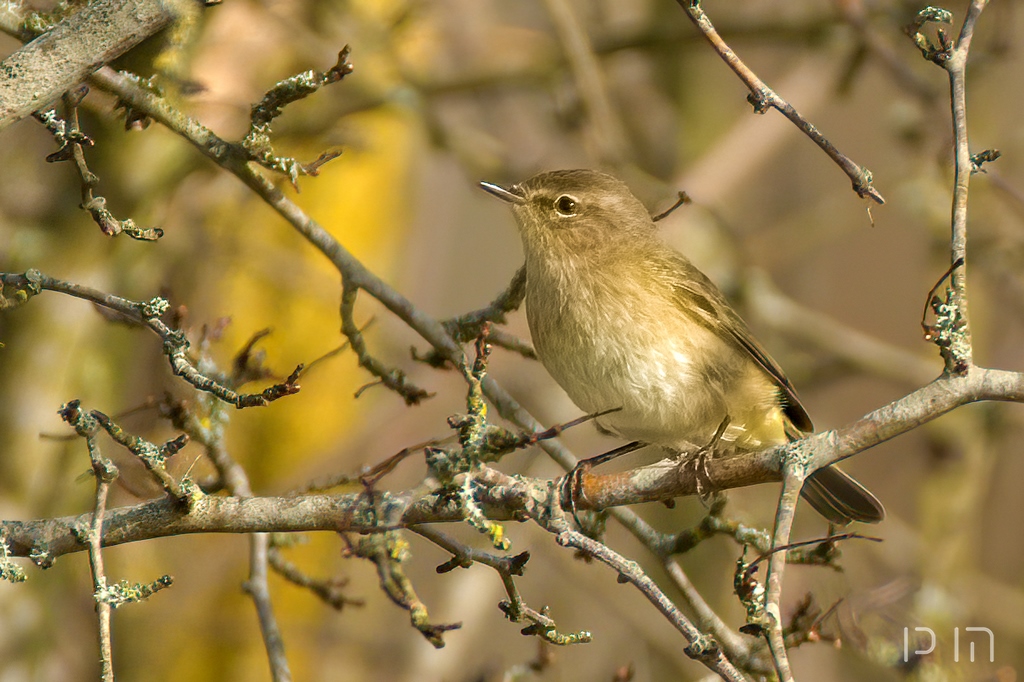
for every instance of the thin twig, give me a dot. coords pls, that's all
(683, 198)
(106, 596)
(257, 588)
(221, 152)
(257, 140)
(147, 314)
(151, 455)
(734, 646)
(762, 98)
(105, 473)
(468, 326)
(388, 552)
(235, 479)
(956, 66)
(395, 379)
(69, 135)
(507, 567)
(701, 647)
(792, 481)
(328, 590)
(386, 296)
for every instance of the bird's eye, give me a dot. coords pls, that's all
(566, 206)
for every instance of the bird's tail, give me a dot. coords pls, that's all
(840, 498)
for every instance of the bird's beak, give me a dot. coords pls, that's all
(510, 195)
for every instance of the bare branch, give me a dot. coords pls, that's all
(65, 55)
(394, 379)
(701, 647)
(734, 647)
(105, 473)
(19, 288)
(762, 98)
(236, 481)
(257, 140)
(222, 153)
(956, 66)
(257, 588)
(666, 479)
(106, 595)
(329, 591)
(388, 551)
(515, 609)
(72, 140)
(793, 477)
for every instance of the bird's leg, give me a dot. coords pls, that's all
(572, 482)
(701, 457)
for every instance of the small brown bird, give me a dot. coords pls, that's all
(624, 322)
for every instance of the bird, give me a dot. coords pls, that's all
(633, 331)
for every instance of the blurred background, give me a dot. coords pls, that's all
(446, 93)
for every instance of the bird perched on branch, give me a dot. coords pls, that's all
(625, 323)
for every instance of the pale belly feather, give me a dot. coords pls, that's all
(674, 380)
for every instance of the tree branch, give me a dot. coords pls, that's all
(372, 511)
(701, 647)
(762, 98)
(665, 479)
(16, 289)
(65, 55)
(956, 66)
(793, 477)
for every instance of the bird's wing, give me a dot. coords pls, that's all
(698, 296)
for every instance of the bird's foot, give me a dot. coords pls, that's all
(702, 475)
(571, 488)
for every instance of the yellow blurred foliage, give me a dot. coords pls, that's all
(277, 279)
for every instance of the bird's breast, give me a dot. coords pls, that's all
(610, 345)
